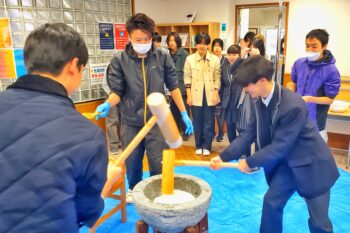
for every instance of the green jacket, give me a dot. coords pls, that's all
(181, 55)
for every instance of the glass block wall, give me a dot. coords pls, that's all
(83, 15)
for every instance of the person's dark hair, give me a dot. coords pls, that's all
(176, 38)
(252, 69)
(234, 49)
(249, 36)
(202, 36)
(219, 41)
(259, 42)
(320, 34)
(51, 46)
(157, 37)
(142, 22)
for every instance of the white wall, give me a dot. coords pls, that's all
(304, 15)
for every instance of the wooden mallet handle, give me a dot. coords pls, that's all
(202, 163)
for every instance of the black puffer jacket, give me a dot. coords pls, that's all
(125, 78)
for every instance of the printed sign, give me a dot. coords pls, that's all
(121, 36)
(5, 33)
(97, 73)
(106, 36)
(7, 64)
(19, 61)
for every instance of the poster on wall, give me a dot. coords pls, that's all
(19, 61)
(97, 73)
(223, 31)
(106, 36)
(5, 33)
(7, 61)
(121, 36)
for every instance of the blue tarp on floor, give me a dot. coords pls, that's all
(237, 201)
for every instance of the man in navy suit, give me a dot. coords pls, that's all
(289, 148)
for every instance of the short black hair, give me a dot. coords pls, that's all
(219, 41)
(320, 34)
(252, 69)
(234, 49)
(157, 37)
(142, 22)
(176, 38)
(259, 42)
(51, 46)
(248, 36)
(202, 36)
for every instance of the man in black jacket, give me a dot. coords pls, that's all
(289, 148)
(53, 161)
(133, 74)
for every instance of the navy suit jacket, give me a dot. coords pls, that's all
(293, 141)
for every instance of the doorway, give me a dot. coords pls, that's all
(264, 19)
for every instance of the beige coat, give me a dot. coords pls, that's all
(199, 74)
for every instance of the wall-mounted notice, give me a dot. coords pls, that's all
(7, 64)
(106, 36)
(5, 33)
(121, 36)
(19, 61)
(97, 73)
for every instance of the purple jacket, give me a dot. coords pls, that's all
(319, 78)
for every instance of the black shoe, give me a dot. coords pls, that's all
(220, 138)
(186, 137)
(255, 169)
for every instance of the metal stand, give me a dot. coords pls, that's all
(201, 227)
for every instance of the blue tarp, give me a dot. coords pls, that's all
(237, 201)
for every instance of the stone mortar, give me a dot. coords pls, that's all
(172, 218)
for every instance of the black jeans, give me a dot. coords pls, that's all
(203, 123)
(153, 143)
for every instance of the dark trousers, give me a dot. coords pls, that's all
(153, 144)
(113, 128)
(220, 120)
(231, 131)
(281, 188)
(230, 120)
(203, 123)
(177, 114)
(249, 150)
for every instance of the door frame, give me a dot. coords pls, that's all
(261, 5)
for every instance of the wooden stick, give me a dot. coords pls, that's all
(202, 163)
(134, 143)
(168, 172)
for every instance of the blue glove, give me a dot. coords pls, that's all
(188, 123)
(103, 109)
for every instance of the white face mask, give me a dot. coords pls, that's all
(313, 56)
(142, 48)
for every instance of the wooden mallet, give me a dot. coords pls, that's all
(163, 117)
(167, 125)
